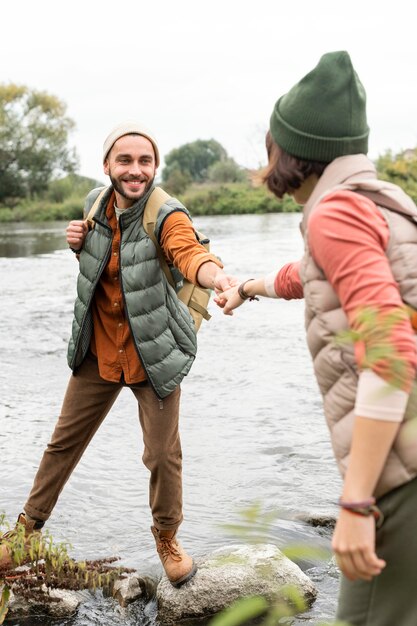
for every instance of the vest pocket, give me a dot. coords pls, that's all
(181, 325)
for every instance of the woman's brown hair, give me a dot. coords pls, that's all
(285, 173)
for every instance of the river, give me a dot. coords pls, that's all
(251, 421)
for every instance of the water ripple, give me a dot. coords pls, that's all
(251, 422)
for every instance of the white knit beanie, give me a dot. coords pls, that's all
(126, 128)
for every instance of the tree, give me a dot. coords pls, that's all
(34, 133)
(226, 171)
(193, 160)
(177, 182)
(400, 169)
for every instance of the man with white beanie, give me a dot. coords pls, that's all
(129, 330)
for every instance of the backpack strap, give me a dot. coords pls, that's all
(193, 296)
(94, 208)
(157, 198)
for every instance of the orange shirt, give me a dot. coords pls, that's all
(112, 341)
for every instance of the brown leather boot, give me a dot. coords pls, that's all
(21, 554)
(178, 566)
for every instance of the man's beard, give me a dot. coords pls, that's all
(130, 196)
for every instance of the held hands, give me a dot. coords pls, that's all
(223, 282)
(233, 297)
(76, 233)
(354, 546)
(229, 299)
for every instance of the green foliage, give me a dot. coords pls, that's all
(373, 329)
(233, 198)
(244, 611)
(204, 199)
(226, 188)
(4, 601)
(253, 524)
(400, 169)
(177, 182)
(34, 132)
(63, 200)
(226, 171)
(41, 211)
(72, 185)
(193, 159)
(241, 612)
(48, 566)
(299, 552)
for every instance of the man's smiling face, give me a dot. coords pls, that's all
(130, 164)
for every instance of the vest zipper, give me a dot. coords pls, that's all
(88, 304)
(161, 404)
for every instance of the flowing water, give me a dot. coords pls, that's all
(251, 421)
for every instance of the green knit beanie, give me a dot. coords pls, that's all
(324, 115)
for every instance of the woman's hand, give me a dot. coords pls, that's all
(354, 546)
(228, 300)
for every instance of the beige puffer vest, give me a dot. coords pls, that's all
(335, 366)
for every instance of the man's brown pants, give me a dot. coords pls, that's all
(87, 401)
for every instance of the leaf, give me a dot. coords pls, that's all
(4, 603)
(298, 552)
(241, 611)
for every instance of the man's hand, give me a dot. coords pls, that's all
(76, 233)
(222, 282)
(354, 546)
(211, 276)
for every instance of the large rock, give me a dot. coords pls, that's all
(228, 574)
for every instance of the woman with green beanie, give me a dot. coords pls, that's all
(358, 274)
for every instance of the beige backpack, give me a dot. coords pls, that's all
(196, 298)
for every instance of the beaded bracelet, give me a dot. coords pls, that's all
(366, 508)
(242, 293)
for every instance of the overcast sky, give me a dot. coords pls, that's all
(192, 69)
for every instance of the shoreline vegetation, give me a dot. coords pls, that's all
(64, 198)
(205, 198)
(39, 180)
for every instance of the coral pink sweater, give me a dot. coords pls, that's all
(349, 245)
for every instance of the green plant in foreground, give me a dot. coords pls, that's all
(48, 566)
(257, 608)
(255, 527)
(4, 600)
(373, 330)
(247, 609)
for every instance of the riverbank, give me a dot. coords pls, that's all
(201, 199)
(63, 200)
